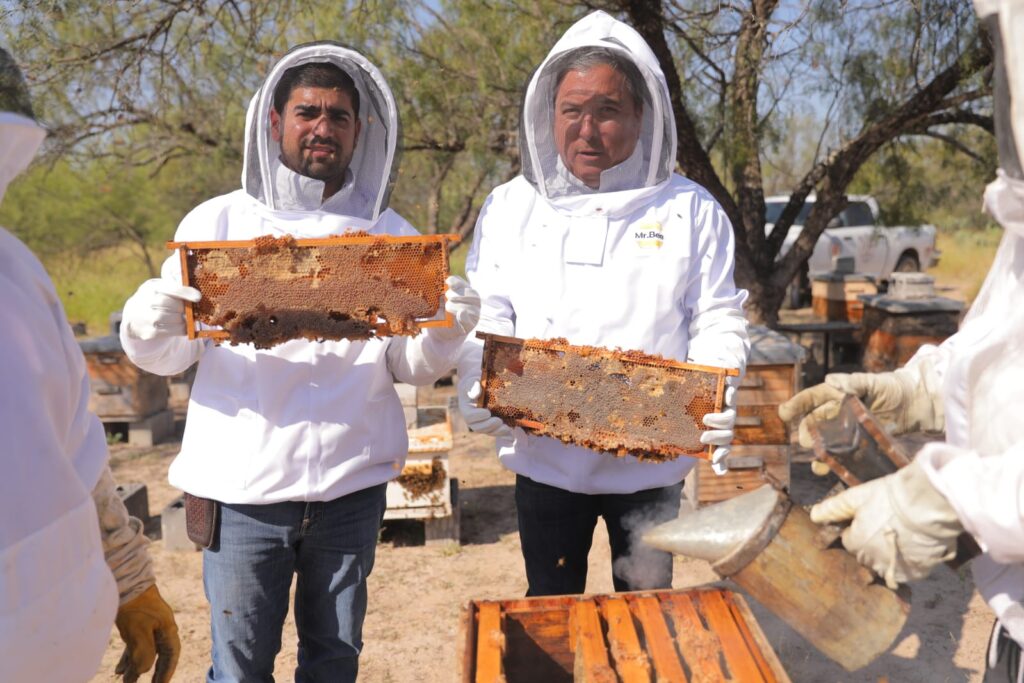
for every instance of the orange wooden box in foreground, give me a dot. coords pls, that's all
(621, 402)
(353, 286)
(700, 634)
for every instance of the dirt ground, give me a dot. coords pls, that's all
(417, 592)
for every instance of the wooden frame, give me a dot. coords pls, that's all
(183, 248)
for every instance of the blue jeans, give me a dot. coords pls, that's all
(556, 529)
(248, 572)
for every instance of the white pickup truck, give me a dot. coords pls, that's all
(876, 250)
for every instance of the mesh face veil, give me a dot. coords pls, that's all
(374, 165)
(654, 157)
(20, 135)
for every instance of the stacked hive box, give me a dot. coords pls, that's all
(762, 444)
(121, 392)
(836, 296)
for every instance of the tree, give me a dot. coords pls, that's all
(887, 70)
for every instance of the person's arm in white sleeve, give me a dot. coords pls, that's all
(153, 324)
(718, 328)
(987, 494)
(496, 317)
(425, 358)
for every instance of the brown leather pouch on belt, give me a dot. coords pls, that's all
(202, 517)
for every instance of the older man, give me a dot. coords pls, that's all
(296, 443)
(601, 243)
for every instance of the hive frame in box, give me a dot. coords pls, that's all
(630, 358)
(184, 248)
(628, 637)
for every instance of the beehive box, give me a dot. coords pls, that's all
(355, 286)
(118, 390)
(894, 329)
(762, 445)
(425, 489)
(701, 634)
(836, 296)
(621, 402)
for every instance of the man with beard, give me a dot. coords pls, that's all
(295, 444)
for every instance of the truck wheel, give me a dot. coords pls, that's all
(908, 263)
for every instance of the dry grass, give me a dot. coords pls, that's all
(966, 257)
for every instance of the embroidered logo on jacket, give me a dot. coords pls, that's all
(649, 236)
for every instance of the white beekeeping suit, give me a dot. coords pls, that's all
(644, 261)
(309, 421)
(58, 543)
(972, 386)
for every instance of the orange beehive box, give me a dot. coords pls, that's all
(701, 634)
(354, 286)
(622, 402)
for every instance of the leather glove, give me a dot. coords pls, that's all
(157, 309)
(900, 399)
(901, 525)
(463, 303)
(147, 627)
(479, 419)
(720, 434)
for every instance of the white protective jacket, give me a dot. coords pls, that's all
(307, 421)
(57, 596)
(980, 467)
(644, 263)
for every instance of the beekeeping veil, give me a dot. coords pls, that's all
(654, 157)
(374, 163)
(20, 135)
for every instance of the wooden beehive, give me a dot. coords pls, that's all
(894, 329)
(836, 296)
(702, 634)
(425, 489)
(621, 402)
(118, 390)
(762, 440)
(354, 286)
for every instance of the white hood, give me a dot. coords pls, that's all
(654, 160)
(20, 135)
(374, 164)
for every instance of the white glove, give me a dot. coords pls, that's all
(901, 525)
(463, 303)
(157, 309)
(900, 399)
(721, 433)
(479, 419)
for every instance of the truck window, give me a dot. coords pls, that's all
(774, 209)
(857, 213)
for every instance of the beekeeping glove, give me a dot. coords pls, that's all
(157, 309)
(904, 400)
(145, 621)
(469, 389)
(463, 303)
(147, 627)
(901, 526)
(720, 434)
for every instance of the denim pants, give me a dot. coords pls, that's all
(247, 575)
(556, 529)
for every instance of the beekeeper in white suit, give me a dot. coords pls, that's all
(599, 242)
(972, 386)
(58, 544)
(295, 444)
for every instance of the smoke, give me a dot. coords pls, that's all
(644, 567)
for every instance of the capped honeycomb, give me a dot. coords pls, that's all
(354, 286)
(620, 402)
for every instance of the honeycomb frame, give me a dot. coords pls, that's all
(552, 388)
(354, 286)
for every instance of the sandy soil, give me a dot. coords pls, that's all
(417, 592)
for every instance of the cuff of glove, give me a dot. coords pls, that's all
(922, 506)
